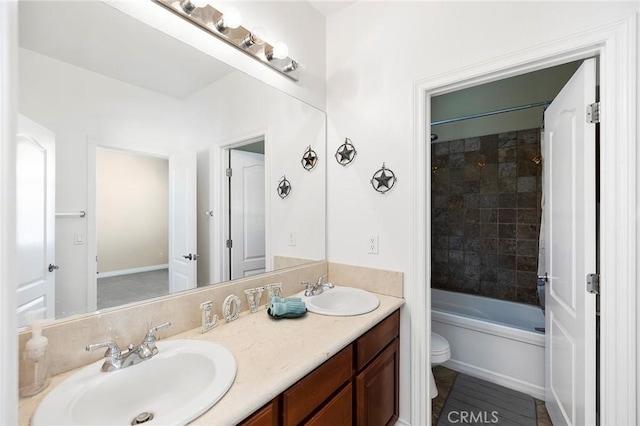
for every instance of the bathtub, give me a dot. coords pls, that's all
(492, 339)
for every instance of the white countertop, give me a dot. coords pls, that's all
(271, 355)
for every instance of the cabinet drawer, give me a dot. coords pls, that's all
(337, 412)
(376, 339)
(300, 400)
(266, 416)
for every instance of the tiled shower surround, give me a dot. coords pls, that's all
(486, 212)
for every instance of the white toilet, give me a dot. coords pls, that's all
(440, 352)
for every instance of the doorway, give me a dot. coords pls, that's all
(612, 44)
(153, 204)
(486, 222)
(132, 227)
(245, 204)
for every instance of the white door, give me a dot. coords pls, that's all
(570, 243)
(35, 218)
(182, 222)
(247, 214)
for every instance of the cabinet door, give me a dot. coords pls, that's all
(337, 412)
(377, 389)
(266, 416)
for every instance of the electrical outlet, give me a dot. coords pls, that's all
(372, 244)
(292, 239)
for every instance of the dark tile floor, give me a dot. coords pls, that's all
(444, 381)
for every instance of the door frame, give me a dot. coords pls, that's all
(8, 290)
(220, 197)
(616, 46)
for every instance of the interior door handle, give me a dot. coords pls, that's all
(188, 257)
(53, 267)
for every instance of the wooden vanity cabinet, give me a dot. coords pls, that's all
(303, 398)
(377, 381)
(268, 415)
(357, 386)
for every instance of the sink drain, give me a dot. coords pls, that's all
(142, 418)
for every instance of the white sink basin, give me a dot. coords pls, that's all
(181, 382)
(341, 301)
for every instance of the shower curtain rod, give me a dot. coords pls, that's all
(485, 114)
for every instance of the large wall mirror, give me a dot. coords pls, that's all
(125, 138)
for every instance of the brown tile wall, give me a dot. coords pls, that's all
(485, 220)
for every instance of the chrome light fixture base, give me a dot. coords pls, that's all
(210, 19)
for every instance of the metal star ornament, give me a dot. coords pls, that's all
(309, 159)
(383, 180)
(346, 152)
(284, 187)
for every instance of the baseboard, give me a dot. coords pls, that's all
(132, 270)
(499, 379)
(401, 422)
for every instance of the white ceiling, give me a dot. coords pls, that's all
(97, 37)
(329, 7)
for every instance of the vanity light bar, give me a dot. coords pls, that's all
(212, 20)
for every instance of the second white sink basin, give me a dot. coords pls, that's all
(341, 301)
(181, 382)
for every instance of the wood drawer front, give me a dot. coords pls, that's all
(304, 397)
(377, 390)
(266, 416)
(376, 339)
(337, 412)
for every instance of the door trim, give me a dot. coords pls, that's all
(8, 293)
(616, 46)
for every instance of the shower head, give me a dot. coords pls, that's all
(434, 137)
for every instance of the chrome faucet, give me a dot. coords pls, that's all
(317, 288)
(117, 359)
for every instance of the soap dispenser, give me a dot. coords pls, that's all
(35, 360)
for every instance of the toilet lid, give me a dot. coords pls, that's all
(439, 344)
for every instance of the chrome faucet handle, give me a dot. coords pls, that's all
(309, 288)
(113, 350)
(150, 337)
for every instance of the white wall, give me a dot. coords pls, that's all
(370, 78)
(76, 104)
(239, 108)
(132, 199)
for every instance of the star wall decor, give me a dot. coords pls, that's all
(284, 187)
(346, 152)
(309, 159)
(383, 180)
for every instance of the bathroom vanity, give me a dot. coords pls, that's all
(359, 383)
(302, 370)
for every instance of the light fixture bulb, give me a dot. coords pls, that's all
(259, 35)
(231, 18)
(293, 65)
(280, 50)
(200, 3)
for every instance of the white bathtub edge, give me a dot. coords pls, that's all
(499, 379)
(488, 327)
